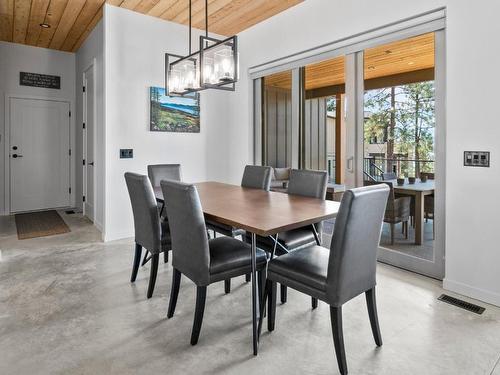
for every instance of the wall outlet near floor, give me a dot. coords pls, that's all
(126, 153)
(476, 158)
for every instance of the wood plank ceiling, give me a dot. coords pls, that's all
(72, 20)
(403, 56)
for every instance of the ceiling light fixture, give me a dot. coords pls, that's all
(45, 25)
(213, 66)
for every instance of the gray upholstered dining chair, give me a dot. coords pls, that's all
(201, 260)
(338, 274)
(386, 176)
(255, 177)
(306, 183)
(156, 173)
(151, 232)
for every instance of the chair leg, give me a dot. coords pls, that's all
(145, 260)
(248, 277)
(137, 262)
(371, 302)
(406, 229)
(155, 258)
(174, 292)
(392, 234)
(314, 303)
(227, 286)
(201, 295)
(338, 337)
(165, 256)
(283, 293)
(271, 304)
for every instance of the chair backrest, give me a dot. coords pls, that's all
(389, 209)
(308, 183)
(257, 177)
(146, 219)
(389, 176)
(191, 255)
(158, 172)
(356, 236)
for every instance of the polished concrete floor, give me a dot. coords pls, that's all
(67, 307)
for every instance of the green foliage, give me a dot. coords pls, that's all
(413, 118)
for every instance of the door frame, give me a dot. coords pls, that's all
(7, 123)
(85, 140)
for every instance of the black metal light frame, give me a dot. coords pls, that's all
(168, 64)
(204, 47)
(228, 85)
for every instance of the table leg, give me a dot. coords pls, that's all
(316, 235)
(255, 297)
(419, 219)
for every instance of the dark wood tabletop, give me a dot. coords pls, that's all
(258, 211)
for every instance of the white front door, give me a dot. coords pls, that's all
(88, 140)
(39, 154)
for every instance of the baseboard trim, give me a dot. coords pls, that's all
(472, 292)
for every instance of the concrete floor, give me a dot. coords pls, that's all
(67, 307)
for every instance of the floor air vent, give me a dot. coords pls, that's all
(462, 304)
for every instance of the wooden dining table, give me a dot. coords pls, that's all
(259, 212)
(418, 190)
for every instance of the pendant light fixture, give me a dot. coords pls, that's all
(213, 66)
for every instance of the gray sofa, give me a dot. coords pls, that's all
(279, 180)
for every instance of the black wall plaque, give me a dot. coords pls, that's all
(40, 80)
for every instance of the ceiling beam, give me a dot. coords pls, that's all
(422, 75)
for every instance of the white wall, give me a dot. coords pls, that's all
(134, 58)
(91, 50)
(472, 203)
(15, 58)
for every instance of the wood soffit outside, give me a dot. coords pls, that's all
(71, 21)
(408, 55)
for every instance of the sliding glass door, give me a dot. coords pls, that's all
(402, 102)
(372, 115)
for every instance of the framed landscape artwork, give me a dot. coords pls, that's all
(172, 113)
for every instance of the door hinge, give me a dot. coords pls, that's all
(69, 152)
(83, 161)
(69, 190)
(84, 198)
(84, 125)
(69, 113)
(83, 88)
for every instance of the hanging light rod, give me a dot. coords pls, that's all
(213, 66)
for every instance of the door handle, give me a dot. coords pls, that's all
(17, 156)
(92, 164)
(350, 163)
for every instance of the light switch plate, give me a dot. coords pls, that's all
(476, 158)
(126, 153)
